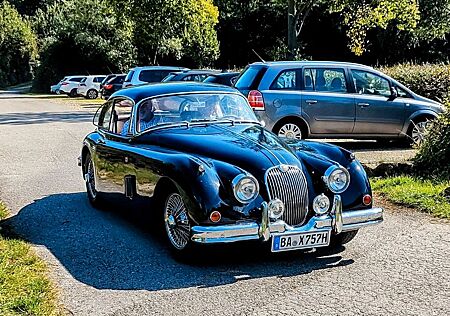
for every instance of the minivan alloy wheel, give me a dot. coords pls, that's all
(418, 131)
(291, 131)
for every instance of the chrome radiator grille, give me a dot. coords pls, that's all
(288, 183)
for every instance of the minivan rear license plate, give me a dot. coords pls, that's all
(285, 242)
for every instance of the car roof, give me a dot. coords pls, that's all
(196, 71)
(309, 63)
(154, 89)
(159, 68)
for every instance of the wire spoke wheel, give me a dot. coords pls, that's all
(90, 179)
(291, 131)
(176, 221)
(419, 131)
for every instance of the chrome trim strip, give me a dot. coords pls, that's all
(252, 230)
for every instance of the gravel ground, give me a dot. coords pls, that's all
(109, 263)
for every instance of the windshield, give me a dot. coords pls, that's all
(191, 108)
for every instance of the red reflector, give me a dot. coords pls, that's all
(64, 83)
(107, 86)
(215, 217)
(255, 99)
(367, 199)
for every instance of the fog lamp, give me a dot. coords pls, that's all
(321, 204)
(275, 208)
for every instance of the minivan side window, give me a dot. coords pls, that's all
(325, 80)
(286, 80)
(369, 83)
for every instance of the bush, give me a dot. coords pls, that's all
(81, 37)
(17, 46)
(433, 158)
(431, 81)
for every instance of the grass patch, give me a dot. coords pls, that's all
(425, 195)
(24, 286)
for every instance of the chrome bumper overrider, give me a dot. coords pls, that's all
(337, 220)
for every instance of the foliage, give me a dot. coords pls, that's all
(425, 195)
(176, 30)
(29, 7)
(17, 46)
(24, 286)
(431, 81)
(433, 158)
(81, 37)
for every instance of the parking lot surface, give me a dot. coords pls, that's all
(110, 262)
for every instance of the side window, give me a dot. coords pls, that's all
(369, 83)
(402, 93)
(188, 78)
(105, 116)
(121, 116)
(325, 80)
(286, 80)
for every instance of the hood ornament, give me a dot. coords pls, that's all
(284, 168)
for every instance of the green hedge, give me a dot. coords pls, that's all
(431, 81)
(433, 158)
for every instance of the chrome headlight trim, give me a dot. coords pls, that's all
(237, 184)
(327, 178)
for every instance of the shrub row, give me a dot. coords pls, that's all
(433, 158)
(429, 80)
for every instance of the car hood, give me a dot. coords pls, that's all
(247, 146)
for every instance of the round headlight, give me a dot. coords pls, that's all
(245, 188)
(275, 208)
(337, 179)
(321, 204)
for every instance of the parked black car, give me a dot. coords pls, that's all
(199, 151)
(225, 78)
(189, 75)
(108, 77)
(111, 86)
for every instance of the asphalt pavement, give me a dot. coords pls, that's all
(111, 262)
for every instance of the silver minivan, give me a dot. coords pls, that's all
(148, 74)
(309, 99)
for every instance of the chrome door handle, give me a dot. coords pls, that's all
(311, 101)
(364, 105)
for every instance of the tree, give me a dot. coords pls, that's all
(171, 31)
(29, 7)
(17, 46)
(81, 37)
(358, 15)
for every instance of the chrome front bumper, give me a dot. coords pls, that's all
(337, 220)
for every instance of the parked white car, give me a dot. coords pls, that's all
(89, 87)
(143, 75)
(69, 85)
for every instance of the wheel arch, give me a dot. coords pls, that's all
(417, 116)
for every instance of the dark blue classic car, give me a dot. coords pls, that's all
(220, 176)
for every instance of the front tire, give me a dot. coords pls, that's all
(177, 224)
(92, 94)
(73, 93)
(342, 238)
(417, 131)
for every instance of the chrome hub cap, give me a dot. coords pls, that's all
(90, 179)
(291, 131)
(419, 131)
(176, 221)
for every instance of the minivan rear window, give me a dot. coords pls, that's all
(153, 75)
(250, 78)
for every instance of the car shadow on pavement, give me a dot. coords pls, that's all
(116, 248)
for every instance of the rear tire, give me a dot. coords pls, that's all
(290, 130)
(95, 197)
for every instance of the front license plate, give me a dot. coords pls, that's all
(285, 242)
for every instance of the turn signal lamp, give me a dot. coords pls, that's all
(215, 216)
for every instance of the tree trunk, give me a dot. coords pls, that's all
(292, 32)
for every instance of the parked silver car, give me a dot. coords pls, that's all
(307, 99)
(143, 75)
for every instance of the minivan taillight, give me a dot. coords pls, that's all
(64, 83)
(256, 101)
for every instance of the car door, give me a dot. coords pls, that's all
(377, 112)
(112, 147)
(327, 104)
